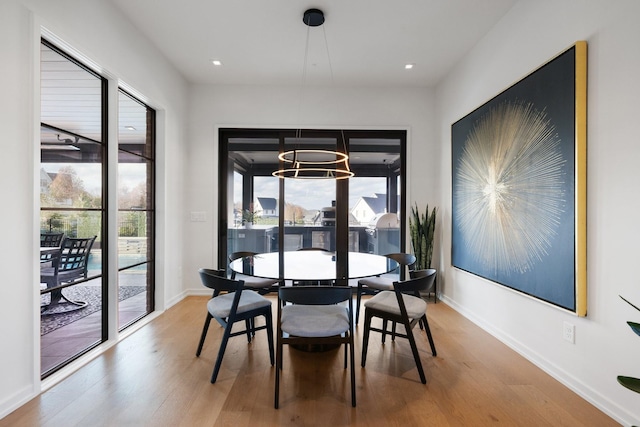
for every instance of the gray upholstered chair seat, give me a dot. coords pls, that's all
(220, 306)
(387, 301)
(378, 283)
(315, 320)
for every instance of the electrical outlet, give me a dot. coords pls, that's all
(569, 332)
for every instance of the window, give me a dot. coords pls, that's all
(136, 209)
(73, 201)
(291, 213)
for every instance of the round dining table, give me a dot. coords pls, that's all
(311, 265)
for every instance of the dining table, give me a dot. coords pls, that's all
(312, 265)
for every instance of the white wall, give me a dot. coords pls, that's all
(331, 107)
(101, 35)
(529, 35)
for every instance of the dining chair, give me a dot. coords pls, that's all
(373, 285)
(402, 306)
(314, 315)
(228, 305)
(259, 284)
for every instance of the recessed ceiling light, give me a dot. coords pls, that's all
(129, 128)
(408, 66)
(216, 62)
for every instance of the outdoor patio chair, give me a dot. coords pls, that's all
(67, 266)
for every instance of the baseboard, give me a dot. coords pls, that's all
(16, 400)
(583, 390)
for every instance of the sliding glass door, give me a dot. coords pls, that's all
(136, 209)
(73, 205)
(74, 282)
(262, 213)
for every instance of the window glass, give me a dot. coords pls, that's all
(72, 172)
(136, 171)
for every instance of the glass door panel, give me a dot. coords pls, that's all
(71, 204)
(136, 208)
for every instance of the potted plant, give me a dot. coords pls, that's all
(422, 227)
(630, 382)
(249, 217)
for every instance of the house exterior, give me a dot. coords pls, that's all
(367, 207)
(267, 207)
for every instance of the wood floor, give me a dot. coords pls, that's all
(153, 378)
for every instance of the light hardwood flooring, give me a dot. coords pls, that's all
(153, 378)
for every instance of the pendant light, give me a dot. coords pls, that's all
(314, 163)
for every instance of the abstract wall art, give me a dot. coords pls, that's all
(519, 185)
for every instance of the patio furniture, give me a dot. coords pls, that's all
(68, 265)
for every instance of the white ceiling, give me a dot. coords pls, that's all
(262, 42)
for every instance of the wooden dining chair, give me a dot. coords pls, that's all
(373, 285)
(402, 306)
(230, 305)
(314, 315)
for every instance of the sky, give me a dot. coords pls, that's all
(311, 194)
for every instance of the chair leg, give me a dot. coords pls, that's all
(249, 326)
(276, 397)
(358, 299)
(384, 330)
(204, 333)
(223, 347)
(269, 323)
(393, 331)
(353, 373)
(365, 339)
(429, 337)
(414, 350)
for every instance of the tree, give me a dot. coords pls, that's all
(67, 185)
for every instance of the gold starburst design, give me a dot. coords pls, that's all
(510, 188)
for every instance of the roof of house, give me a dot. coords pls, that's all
(268, 203)
(377, 203)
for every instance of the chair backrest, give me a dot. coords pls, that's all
(403, 259)
(235, 255)
(74, 255)
(217, 280)
(51, 240)
(313, 249)
(418, 284)
(314, 295)
(429, 272)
